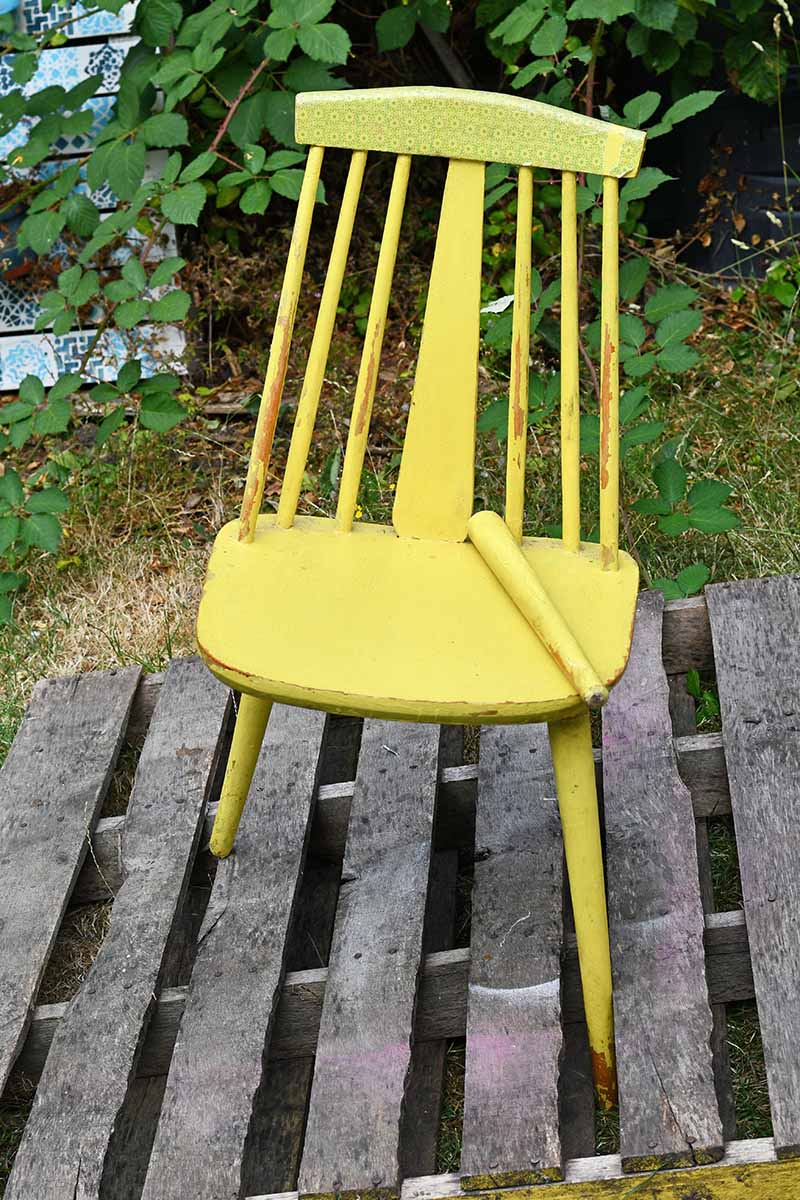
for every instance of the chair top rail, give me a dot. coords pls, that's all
(456, 123)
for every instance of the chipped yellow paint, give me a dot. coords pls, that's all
(520, 353)
(609, 379)
(435, 486)
(736, 1181)
(248, 734)
(570, 379)
(320, 345)
(371, 354)
(573, 766)
(279, 351)
(498, 548)
(456, 123)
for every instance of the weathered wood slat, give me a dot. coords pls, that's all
(701, 762)
(363, 1057)
(275, 1137)
(420, 1129)
(94, 1055)
(52, 787)
(216, 1066)
(668, 1106)
(756, 630)
(514, 1038)
(441, 1011)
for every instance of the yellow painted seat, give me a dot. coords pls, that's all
(271, 623)
(447, 615)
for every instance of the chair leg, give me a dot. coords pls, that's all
(571, 746)
(248, 734)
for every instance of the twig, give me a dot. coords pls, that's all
(245, 88)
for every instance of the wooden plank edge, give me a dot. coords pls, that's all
(441, 1011)
(747, 1168)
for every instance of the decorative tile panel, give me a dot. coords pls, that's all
(32, 18)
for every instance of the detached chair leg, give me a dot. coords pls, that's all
(251, 722)
(571, 746)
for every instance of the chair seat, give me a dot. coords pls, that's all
(369, 623)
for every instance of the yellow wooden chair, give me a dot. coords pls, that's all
(442, 616)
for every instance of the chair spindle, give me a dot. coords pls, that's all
(609, 380)
(306, 415)
(520, 354)
(370, 357)
(570, 392)
(279, 350)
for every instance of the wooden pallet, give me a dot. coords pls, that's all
(279, 1025)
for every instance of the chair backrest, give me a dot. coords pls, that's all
(434, 494)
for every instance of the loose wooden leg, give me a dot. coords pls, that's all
(251, 722)
(571, 746)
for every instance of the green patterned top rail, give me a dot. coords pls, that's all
(456, 123)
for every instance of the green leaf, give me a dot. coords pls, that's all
(494, 419)
(395, 27)
(678, 357)
(125, 167)
(651, 506)
(640, 435)
(166, 270)
(287, 183)
(198, 166)
(549, 37)
(17, 410)
(249, 120)
(656, 14)
(540, 66)
(119, 290)
(184, 205)
(254, 158)
(687, 107)
(678, 326)
(305, 75)
(279, 159)
(648, 179)
(31, 390)
(279, 44)
(669, 299)
(109, 425)
(165, 129)
(160, 412)
(88, 287)
(10, 581)
(11, 489)
(48, 500)
(156, 20)
(103, 393)
(674, 524)
(311, 12)
(607, 11)
(41, 230)
(65, 385)
(520, 22)
(81, 214)
(130, 313)
(669, 588)
(670, 479)
(129, 376)
(632, 277)
(708, 493)
(713, 520)
(171, 307)
(24, 67)
(53, 419)
(641, 108)
(279, 116)
(42, 530)
(326, 43)
(631, 330)
(9, 532)
(256, 198)
(692, 579)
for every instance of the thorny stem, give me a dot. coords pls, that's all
(594, 46)
(234, 104)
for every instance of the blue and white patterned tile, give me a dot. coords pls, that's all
(101, 107)
(67, 66)
(32, 18)
(158, 348)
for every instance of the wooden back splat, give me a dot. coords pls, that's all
(435, 487)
